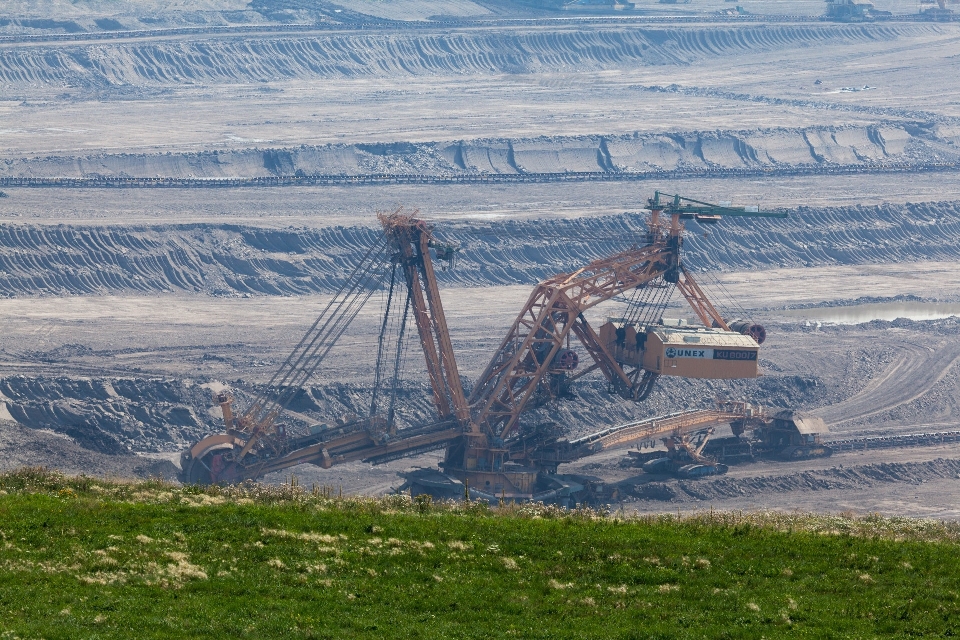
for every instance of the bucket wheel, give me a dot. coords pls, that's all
(210, 461)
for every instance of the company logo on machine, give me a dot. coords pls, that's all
(674, 352)
(734, 354)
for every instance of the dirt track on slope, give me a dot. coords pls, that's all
(915, 369)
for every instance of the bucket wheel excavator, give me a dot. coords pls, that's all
(550, 345)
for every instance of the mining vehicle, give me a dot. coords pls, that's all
(684, 457)
(786, 434)
(489, 451)
(852, 11)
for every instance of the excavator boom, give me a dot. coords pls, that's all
(534, 363)
(554, 309)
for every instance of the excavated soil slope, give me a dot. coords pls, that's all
(864, 147)
(241, 260)
(117, 64)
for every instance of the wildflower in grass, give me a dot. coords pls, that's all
(510, 563)
(100, 619)
(865, 577)
(753, 606)
(307, 536)
(621, 589)
(205, 500)
(787, 573)
(457, 545)
(703, 563)
(437, 578)
(667, 588)
(180, 571)
(65, 612)
(372, 573)
(590, 602)
(142, 539)
(276, 563)
(103, 578)
(556, 584)
(791, 604)
(906, 565)
(654, 560)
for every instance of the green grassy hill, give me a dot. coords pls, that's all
(82, 558)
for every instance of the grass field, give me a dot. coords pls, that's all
(83, 558)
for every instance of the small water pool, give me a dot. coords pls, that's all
(878, 311)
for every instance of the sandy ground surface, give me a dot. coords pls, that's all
(154, 334)
(896, 495)
(327, 206)
(320, 108)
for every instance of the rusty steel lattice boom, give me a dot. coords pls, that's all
(535, 363)
(543, 328)
(412, 240)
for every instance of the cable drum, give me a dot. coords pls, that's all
(566, 359)
(747, 328)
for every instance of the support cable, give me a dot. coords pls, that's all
(398, 364)
(381, 342)
(342, 308)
